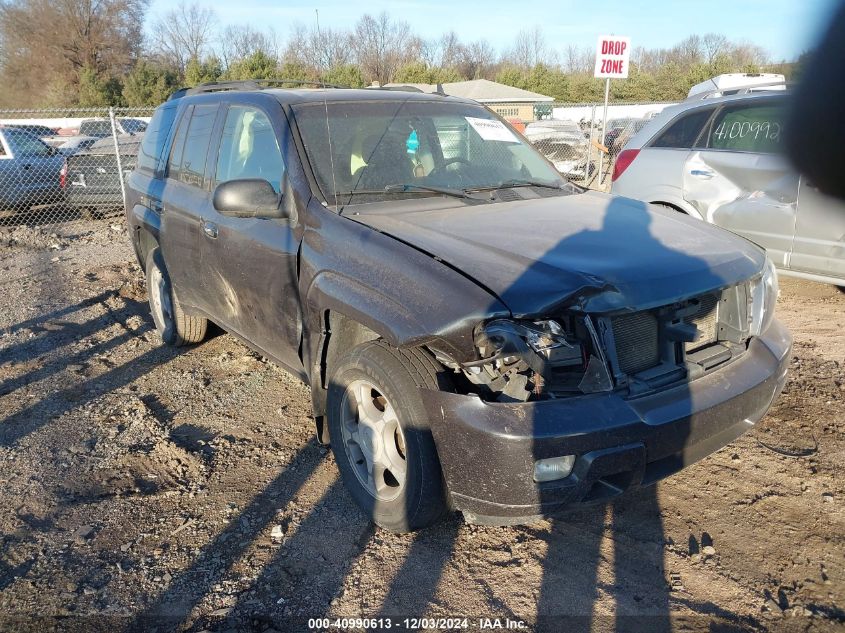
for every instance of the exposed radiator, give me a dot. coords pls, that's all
(637, 335)
(637, 346)
(706, 320)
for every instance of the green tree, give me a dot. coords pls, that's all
(413, 73)
(511, 76)
(344, 75)
(259, 65)
(96, 91)
(583, 88)
(639, 86)
(199, 72)
(546, 81)
(296, 71)
(148, 84)
(446, 75)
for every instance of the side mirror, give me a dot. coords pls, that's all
(247, 198)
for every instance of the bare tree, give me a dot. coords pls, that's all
(746, 54)
(451, 50)
(49, 44)
(240, 41)
(714, 45)
(320, 49)
(530, 48)
(477, 60)
(382, 45)
(183, 33)
(578, 59)
(689, 51)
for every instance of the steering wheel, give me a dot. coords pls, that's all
(441, 168)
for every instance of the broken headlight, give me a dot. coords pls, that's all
(520, 360)
(764, 294)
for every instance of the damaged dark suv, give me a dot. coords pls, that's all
(478, 333)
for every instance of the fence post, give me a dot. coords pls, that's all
(117, 155)
(603, 138)
(587, 180)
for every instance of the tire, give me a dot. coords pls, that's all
(173, 325)
(396, 378)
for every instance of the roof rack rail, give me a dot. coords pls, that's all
(247, 84)
(773, 86)
(395, 88)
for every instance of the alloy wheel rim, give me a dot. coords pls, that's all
(373, 440)
(160, 297)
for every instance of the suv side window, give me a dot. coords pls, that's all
(249, 148)
(178, 144)
(756, 127)
(684, 131)
(197, 140)
(152, 147)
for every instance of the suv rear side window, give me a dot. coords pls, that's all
(249, 148)
(178, 144)
(748, 128)
(683, 132)
(192, 165)
(155, 137)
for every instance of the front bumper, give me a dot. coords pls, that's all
(488, 450)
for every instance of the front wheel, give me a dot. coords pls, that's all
(381, 438)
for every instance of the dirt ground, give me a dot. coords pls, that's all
(140, 485)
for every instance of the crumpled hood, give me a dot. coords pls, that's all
(589, 251)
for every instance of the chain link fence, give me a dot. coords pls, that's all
(574, 137)
(66, 165)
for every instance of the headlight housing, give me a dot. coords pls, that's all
(764, 294)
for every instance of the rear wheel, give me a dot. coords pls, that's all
(381, 438)
(173, 325)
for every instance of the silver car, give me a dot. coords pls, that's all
(720, 161)
(563, 143)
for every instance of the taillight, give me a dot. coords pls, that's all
(625, 158)
(63, 175)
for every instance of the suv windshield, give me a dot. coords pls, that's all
(384, 148)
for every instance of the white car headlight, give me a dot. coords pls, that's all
(764, 294)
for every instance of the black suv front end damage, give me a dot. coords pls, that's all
(634, 430)
(618, 441)
(599, 381)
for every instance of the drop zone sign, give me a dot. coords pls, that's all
(612, 54)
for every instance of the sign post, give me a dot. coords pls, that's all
(612, 55)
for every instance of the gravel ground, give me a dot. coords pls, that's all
(145, 488)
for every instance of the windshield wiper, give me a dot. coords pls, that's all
(405, 188)
(409, 186)
(510, 184)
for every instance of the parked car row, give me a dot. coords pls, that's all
(29, 170)
(82, 176)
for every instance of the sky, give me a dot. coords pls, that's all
(784, 28)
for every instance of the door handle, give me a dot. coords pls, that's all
(210, 229)
(156, 206)
(702, 173)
